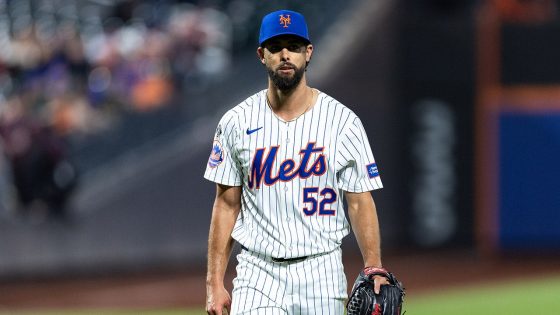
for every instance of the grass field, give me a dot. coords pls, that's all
(528, 297)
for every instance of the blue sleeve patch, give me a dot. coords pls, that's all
(372, 170)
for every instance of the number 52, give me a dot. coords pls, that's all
(328, 197)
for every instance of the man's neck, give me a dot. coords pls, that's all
(290, 104)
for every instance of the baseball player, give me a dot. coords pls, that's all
(283, 161)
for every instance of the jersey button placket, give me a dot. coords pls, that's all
(290, 186)
(281, 188)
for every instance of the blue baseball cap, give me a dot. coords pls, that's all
(283, 22)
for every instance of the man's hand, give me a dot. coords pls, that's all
(218, 300)
(224, 214)
(378, 282)
(377, 292)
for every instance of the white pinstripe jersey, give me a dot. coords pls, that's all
(293, 174)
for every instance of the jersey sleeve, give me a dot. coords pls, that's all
(222, 166)
(359, 172)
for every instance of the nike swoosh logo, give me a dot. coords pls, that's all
(250, 131)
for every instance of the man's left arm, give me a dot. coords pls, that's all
(365, 224)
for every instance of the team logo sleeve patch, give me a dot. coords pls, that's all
(372, 170)
(217, 154)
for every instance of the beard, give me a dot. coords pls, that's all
(286, 83)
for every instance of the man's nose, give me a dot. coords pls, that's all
(285, 54)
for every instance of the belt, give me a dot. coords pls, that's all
(286, 260)
(282, 260)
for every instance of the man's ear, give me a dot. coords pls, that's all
(260, 55)
(309, 52)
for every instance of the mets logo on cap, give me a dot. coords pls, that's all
(285, 20)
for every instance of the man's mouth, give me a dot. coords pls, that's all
(286, 67)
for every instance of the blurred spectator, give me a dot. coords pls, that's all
(132, 60)
(42, 175)
(6, 204)
(202, 43)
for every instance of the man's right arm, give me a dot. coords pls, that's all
(224, 214)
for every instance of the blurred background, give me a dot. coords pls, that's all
(108, 109)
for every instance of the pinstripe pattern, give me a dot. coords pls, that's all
(302, 215)
(316, 285)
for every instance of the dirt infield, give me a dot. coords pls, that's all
(421, 273)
